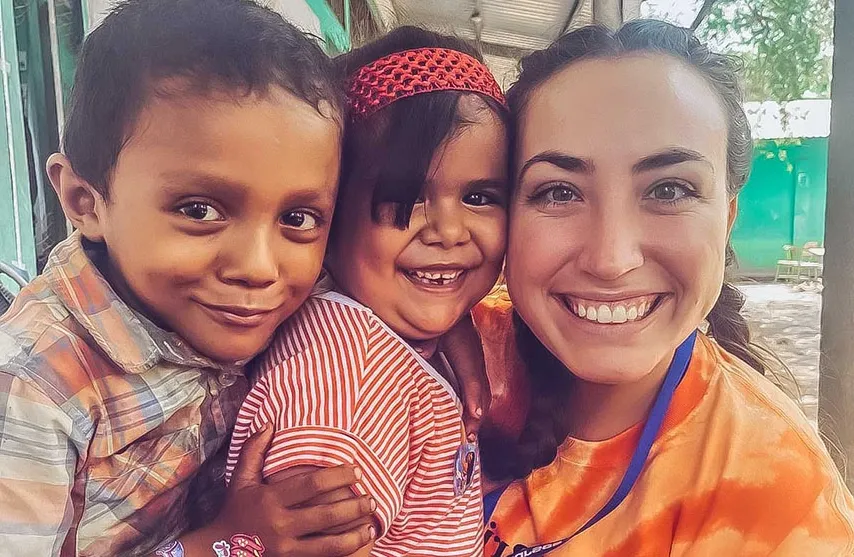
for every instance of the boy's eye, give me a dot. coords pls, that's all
(300, 220)
(479, 199)
(201, 212)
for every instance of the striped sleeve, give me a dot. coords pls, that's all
(335, 400)
(37, 463)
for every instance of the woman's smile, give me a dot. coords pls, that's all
(616, 311)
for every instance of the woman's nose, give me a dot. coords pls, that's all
(612, 247)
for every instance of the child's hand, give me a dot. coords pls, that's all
(273, 511)
(462, 346)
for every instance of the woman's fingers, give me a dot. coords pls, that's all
(475, 401)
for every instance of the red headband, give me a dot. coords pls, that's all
(412, 72)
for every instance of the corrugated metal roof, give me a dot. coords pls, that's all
(522, 24)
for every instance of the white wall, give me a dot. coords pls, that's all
(295, 11)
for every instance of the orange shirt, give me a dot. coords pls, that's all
(736, 470)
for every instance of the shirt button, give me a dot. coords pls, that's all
(218, 471)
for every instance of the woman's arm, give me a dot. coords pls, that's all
(462, 346)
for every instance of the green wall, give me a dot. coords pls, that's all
(16, 220)
(782, 203)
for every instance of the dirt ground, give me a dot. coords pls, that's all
(788, 321)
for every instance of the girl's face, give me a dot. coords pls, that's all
(422, 279)
(620, 217)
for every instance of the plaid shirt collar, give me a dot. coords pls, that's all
(132, 341)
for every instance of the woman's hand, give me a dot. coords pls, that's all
(462, 346)
(274, 511)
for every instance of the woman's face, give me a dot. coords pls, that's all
(620, 217)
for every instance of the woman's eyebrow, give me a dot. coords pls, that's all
(561, 160)
(669, 157)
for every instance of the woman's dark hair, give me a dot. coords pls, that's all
(390, 151)
(550, 380)
(235, 45)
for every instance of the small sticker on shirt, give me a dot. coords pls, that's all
(464, 466)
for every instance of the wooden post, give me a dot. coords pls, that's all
(836, 388)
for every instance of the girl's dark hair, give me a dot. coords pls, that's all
(236, 45)
(390, 151)
(550, 379)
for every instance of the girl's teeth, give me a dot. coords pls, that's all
(603, 314)
(582, 311)
(619, 315)
(632, 313)
(436, 277)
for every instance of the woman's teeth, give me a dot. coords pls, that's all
(615, 312)
(436, 278)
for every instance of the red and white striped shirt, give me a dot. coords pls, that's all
(341, 387)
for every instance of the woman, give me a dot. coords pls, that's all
(644, 436)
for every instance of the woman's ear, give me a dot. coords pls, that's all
(732, 214)
(80, 200)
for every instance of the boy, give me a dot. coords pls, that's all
(200, 164)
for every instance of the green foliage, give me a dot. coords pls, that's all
(786, 44)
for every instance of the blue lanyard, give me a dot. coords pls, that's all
(675, 373)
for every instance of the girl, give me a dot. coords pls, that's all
(418, 240)
(645, 437)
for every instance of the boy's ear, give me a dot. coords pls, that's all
(81, 202)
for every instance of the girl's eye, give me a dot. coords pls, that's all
(300, 220)
(480, 199)
(670, 192)
(201, 212)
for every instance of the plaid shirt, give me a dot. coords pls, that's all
(109, 426)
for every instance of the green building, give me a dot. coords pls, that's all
(783, 203)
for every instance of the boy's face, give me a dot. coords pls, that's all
(218, 214)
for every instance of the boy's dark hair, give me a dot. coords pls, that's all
(234, 45)
(390, 151)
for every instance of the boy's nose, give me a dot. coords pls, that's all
(253, 261)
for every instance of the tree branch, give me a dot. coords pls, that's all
(705, 9)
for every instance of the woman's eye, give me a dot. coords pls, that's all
(300, 220)
(555, 194)
(558, 194)
(670, 192)
(479, 199)
(201, 212)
